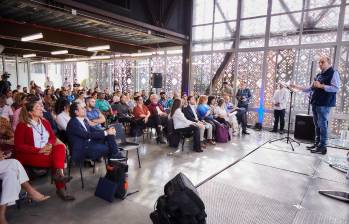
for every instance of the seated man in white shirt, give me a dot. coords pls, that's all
(279, 103)
(5, 110)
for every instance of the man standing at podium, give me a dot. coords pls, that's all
(323, 96)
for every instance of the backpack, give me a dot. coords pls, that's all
(222, 134)
(117, 173)
(181, 204)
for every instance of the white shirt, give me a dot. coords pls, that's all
(180, 121)
(6, 112)
(220, 112)
(193, 108)
(40, 134)
(280, 96)
(81, 120)
(62, 120)
(9, 101)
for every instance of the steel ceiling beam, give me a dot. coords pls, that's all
(292, 19)
(105, 15)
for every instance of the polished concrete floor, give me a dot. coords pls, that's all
(271, 185)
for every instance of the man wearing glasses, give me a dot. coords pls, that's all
(323, 96)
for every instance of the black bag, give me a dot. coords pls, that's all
(181, 203)
(117, 173)
(106, 189)
(160, 215)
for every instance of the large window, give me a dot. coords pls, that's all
(300, 31)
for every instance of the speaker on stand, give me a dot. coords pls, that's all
(156, 81)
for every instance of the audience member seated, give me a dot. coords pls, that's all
(181, 123)
(170, 100)
(205, 114)
(212, 103)
(94, 116)
(123, 110)
(184, 100)
(190, 114)
(130, 102)
(6, 134)
(81, 99)
(163, 100)
(87, 142)
(158, 118)
(148, 101)
(141, 115)
(223, 116)
(102, 104)
(241, 113)
(14, 178)
(9, 98)
(63, 117)
(36, 145)
(5, 110)
(62, 120)
(18, 111)
(17, 101)
(70, 96)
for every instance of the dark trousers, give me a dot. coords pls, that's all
(109, 148)
(242, 117)
(155, 121)
(196, 136)
(279, 115)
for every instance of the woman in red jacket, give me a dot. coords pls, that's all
(36, 145)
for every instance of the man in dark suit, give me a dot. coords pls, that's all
(86, 141)
(190, 113)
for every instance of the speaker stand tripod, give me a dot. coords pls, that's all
(288, 139)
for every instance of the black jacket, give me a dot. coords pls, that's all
(189, 113)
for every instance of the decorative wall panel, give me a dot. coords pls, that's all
(173, 77)
(250, 70)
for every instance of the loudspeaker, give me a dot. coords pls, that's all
(157, 80)
(304, 127)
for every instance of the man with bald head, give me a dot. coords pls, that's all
(323, 97)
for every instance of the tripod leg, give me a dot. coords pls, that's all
(291, 145)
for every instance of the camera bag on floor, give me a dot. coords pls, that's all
(181, 204)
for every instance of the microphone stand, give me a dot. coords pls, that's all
(288, 139)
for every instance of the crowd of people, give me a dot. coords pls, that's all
(37, 125)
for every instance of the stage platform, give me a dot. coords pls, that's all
(271, 185)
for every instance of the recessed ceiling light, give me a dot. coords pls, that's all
(29, 55)
(99, 48)
(59, 52)
(71, 59)
(100, 57)
(32, 37)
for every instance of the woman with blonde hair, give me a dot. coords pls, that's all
(36, 145)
